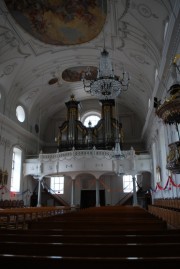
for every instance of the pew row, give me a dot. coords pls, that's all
(91, 238)
(172, 217)
(83, 225)
(117, 218)
(94, 237)
(91, 249)
(57, 262)
(19, 217)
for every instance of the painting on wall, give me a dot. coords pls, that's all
(62, 22)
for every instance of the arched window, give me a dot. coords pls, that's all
(91, 119)
(165, 28)
(16, 170)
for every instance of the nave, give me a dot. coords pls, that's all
(109, 236)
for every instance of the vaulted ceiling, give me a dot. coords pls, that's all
(46, 45)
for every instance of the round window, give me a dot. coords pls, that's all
(20, 113)
(91, 120)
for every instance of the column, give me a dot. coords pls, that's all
(39, 192)
(97, 193)
(135, 203)
(72, 192)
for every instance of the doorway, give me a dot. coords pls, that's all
(88, 198)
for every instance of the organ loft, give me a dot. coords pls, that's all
(73, 134)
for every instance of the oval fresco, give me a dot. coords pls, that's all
(60, 22)
(75, 74)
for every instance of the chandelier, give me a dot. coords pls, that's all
(118, 155)
(106, 85)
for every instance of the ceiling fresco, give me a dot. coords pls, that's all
(60, 22)
(77, 73)
(42, 59)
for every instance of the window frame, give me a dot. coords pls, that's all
(16, 167)
(129, 183)
(57, 181)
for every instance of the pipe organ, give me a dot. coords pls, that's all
(73, 134)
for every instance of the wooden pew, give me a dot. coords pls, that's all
(97, 225)
(119, 218)
(106, 232)
(60, 262)
(90, 238)
(100, 238)
(19, 217)
(91, 249)
(80, 221)
(172, 217)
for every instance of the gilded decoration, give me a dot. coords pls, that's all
(173, 159)
(73, 133)
(62, 22)
(169, 111)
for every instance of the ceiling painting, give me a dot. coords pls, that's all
(75, 74)
(60, 22)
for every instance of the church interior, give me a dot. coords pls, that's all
(90, 133)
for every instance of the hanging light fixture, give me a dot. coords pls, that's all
(120, 171)
(117, 150)
(106, 85)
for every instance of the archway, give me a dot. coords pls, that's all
(88, 198)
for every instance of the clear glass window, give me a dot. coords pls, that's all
(57, 184)
(20, 113)
(128, 183)
(93, 119)
(16, 170)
